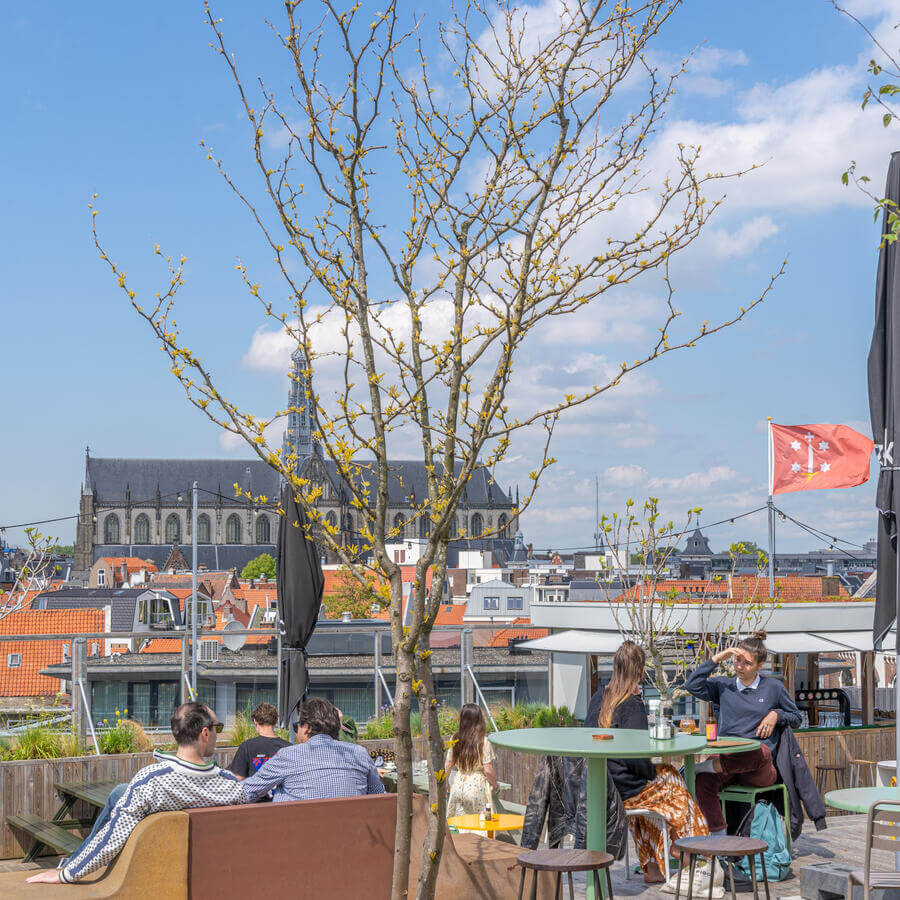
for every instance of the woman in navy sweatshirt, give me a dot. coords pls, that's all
(641, 784)
(750, 706)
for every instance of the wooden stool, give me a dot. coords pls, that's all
(568, 861)
(856, 767)
(837, 774)
(728, 847)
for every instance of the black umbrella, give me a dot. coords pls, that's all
(300, 585)
(884, 397)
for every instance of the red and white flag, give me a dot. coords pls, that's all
(813, 457)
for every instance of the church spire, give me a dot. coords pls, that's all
(298, 437)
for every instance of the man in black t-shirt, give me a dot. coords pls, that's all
(251, 755)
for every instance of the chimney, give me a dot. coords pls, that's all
(124, 571)
(346, 618)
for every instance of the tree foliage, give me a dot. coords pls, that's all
(353, 596)
(264, 564)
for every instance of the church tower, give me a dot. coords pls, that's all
(298, 437)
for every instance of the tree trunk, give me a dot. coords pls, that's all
(437, 792)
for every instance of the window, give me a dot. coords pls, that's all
(173, 529)
(111, 529)
(348, 523)
(13, 660)
(233, 529)
(454, 527)
(477, 525)
(263, 530)
(331, 520)
(424, 526)
(101, 577)
(203, 529)
(492, 603)
(514, 603)
(209, 651)
(203, 613)
(142, 529)
(501, 526)
(400, 525)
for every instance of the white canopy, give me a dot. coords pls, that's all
(577, 642)
(607, 642)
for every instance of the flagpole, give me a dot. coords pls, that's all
(771, 505)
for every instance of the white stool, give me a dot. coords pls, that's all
(663, 827)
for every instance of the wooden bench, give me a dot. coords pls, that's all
(285, 849)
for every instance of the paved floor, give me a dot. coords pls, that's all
(843, 841)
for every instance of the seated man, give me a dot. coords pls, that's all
(319, 766)
(252, 753)
(176, 781)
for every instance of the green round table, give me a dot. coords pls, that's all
(579, 742)
(860, 799)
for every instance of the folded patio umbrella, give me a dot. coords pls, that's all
(884, 397)
(300, 585)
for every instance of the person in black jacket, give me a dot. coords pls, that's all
(641, 784)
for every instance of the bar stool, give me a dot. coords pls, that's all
(856, 769)
(567, 861)
(825, 773)
(727, 846)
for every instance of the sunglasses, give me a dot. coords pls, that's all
(219, 727)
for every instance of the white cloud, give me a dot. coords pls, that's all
(695, 481)
(703, 75)
(744, 240)
(625, 476)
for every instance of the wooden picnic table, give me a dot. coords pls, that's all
(55, 834)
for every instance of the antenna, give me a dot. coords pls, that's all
(234, 642)
(598, 535)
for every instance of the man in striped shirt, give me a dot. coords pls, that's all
(183, 780)
(319, 766)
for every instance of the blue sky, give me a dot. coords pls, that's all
(114, 99)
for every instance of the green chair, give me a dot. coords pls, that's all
(745, 793)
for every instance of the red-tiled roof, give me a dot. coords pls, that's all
(743, 588)
(503, 636)
(24, 680)
(132, 563)
(450, 614)
(258, 595)
(163, 645)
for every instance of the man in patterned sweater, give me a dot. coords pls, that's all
(182, 780)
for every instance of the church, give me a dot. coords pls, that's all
(142, 507)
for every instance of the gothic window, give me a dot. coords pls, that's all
(501, 526)
(203, 529)
(348, 523)
(263, 531)
(477, 525)
(233, 529)
(454, 527)
(424, 526)
(331, 519)
(173, 529)
(111, 529)
(399, 524)
(142, 530)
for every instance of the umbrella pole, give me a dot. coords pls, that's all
(897, 689)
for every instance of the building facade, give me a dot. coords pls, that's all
(142, 507)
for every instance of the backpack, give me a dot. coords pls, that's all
(765, 824)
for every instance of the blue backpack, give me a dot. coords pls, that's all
(767, 825)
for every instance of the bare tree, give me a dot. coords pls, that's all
(435, 224)
(677, 628)
(32, 575)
